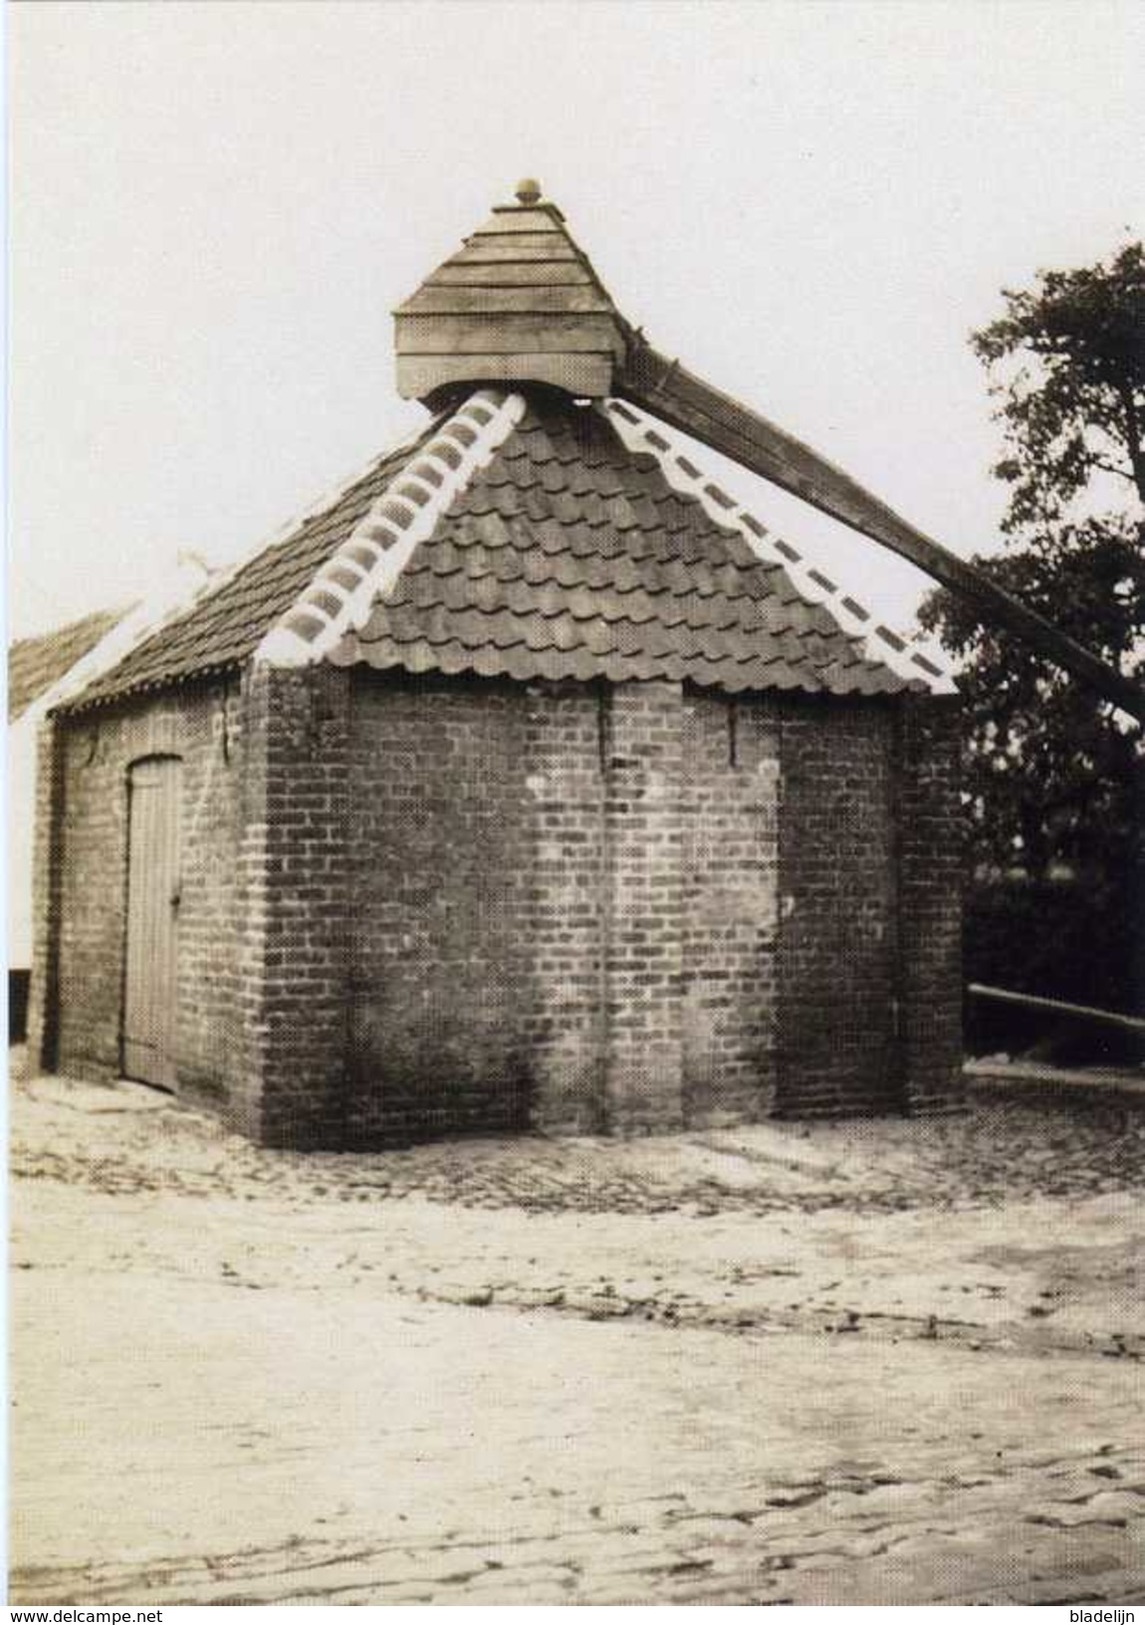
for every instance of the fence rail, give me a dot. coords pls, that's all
(1113, 1018)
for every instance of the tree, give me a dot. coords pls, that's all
(1053, 773)
(1068, 363)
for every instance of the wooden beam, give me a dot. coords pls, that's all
(669, 391)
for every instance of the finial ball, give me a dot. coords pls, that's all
(528, 192)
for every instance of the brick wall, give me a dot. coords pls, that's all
(419, 906)
(297, 901)
(441, 973)
(930, 903)
(838, 945)
(81, 882)
(644, 822)
(47, 900)
(565, 905)
(730, 907)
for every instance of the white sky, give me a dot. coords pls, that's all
(214, 207)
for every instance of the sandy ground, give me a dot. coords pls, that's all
(859, 1364)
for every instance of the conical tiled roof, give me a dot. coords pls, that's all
(529, 537)
(570, 556)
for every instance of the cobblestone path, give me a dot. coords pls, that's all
(242, 1378)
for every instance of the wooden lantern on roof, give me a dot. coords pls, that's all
(518, 303)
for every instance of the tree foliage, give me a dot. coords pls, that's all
(1053, 773)
(1068, 367)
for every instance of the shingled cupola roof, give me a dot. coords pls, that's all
(519, 302)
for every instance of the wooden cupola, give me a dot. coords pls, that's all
(518, 303)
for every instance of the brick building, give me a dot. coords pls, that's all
(37, 667)
(530, 782)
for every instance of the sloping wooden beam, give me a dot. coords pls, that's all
(669, 391)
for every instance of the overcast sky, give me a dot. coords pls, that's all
(216, 206)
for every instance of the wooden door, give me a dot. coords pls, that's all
(151, 978)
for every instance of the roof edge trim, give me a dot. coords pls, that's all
(366, 566)
(643, 434)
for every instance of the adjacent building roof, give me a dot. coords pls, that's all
(36, 664)
(529, 537)
(226, 625)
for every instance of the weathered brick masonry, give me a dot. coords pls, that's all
(730, 780)
(870, 883)
(566, 741)
(929, 750)
(838, 941)
(416, 906)
(296, 887)
(263, 912)
(81, 858)
(47, 900)
(441, 979)
(643, 883)
(563, 908)
(567, 906)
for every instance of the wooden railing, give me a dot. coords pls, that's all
(1030, 1001)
